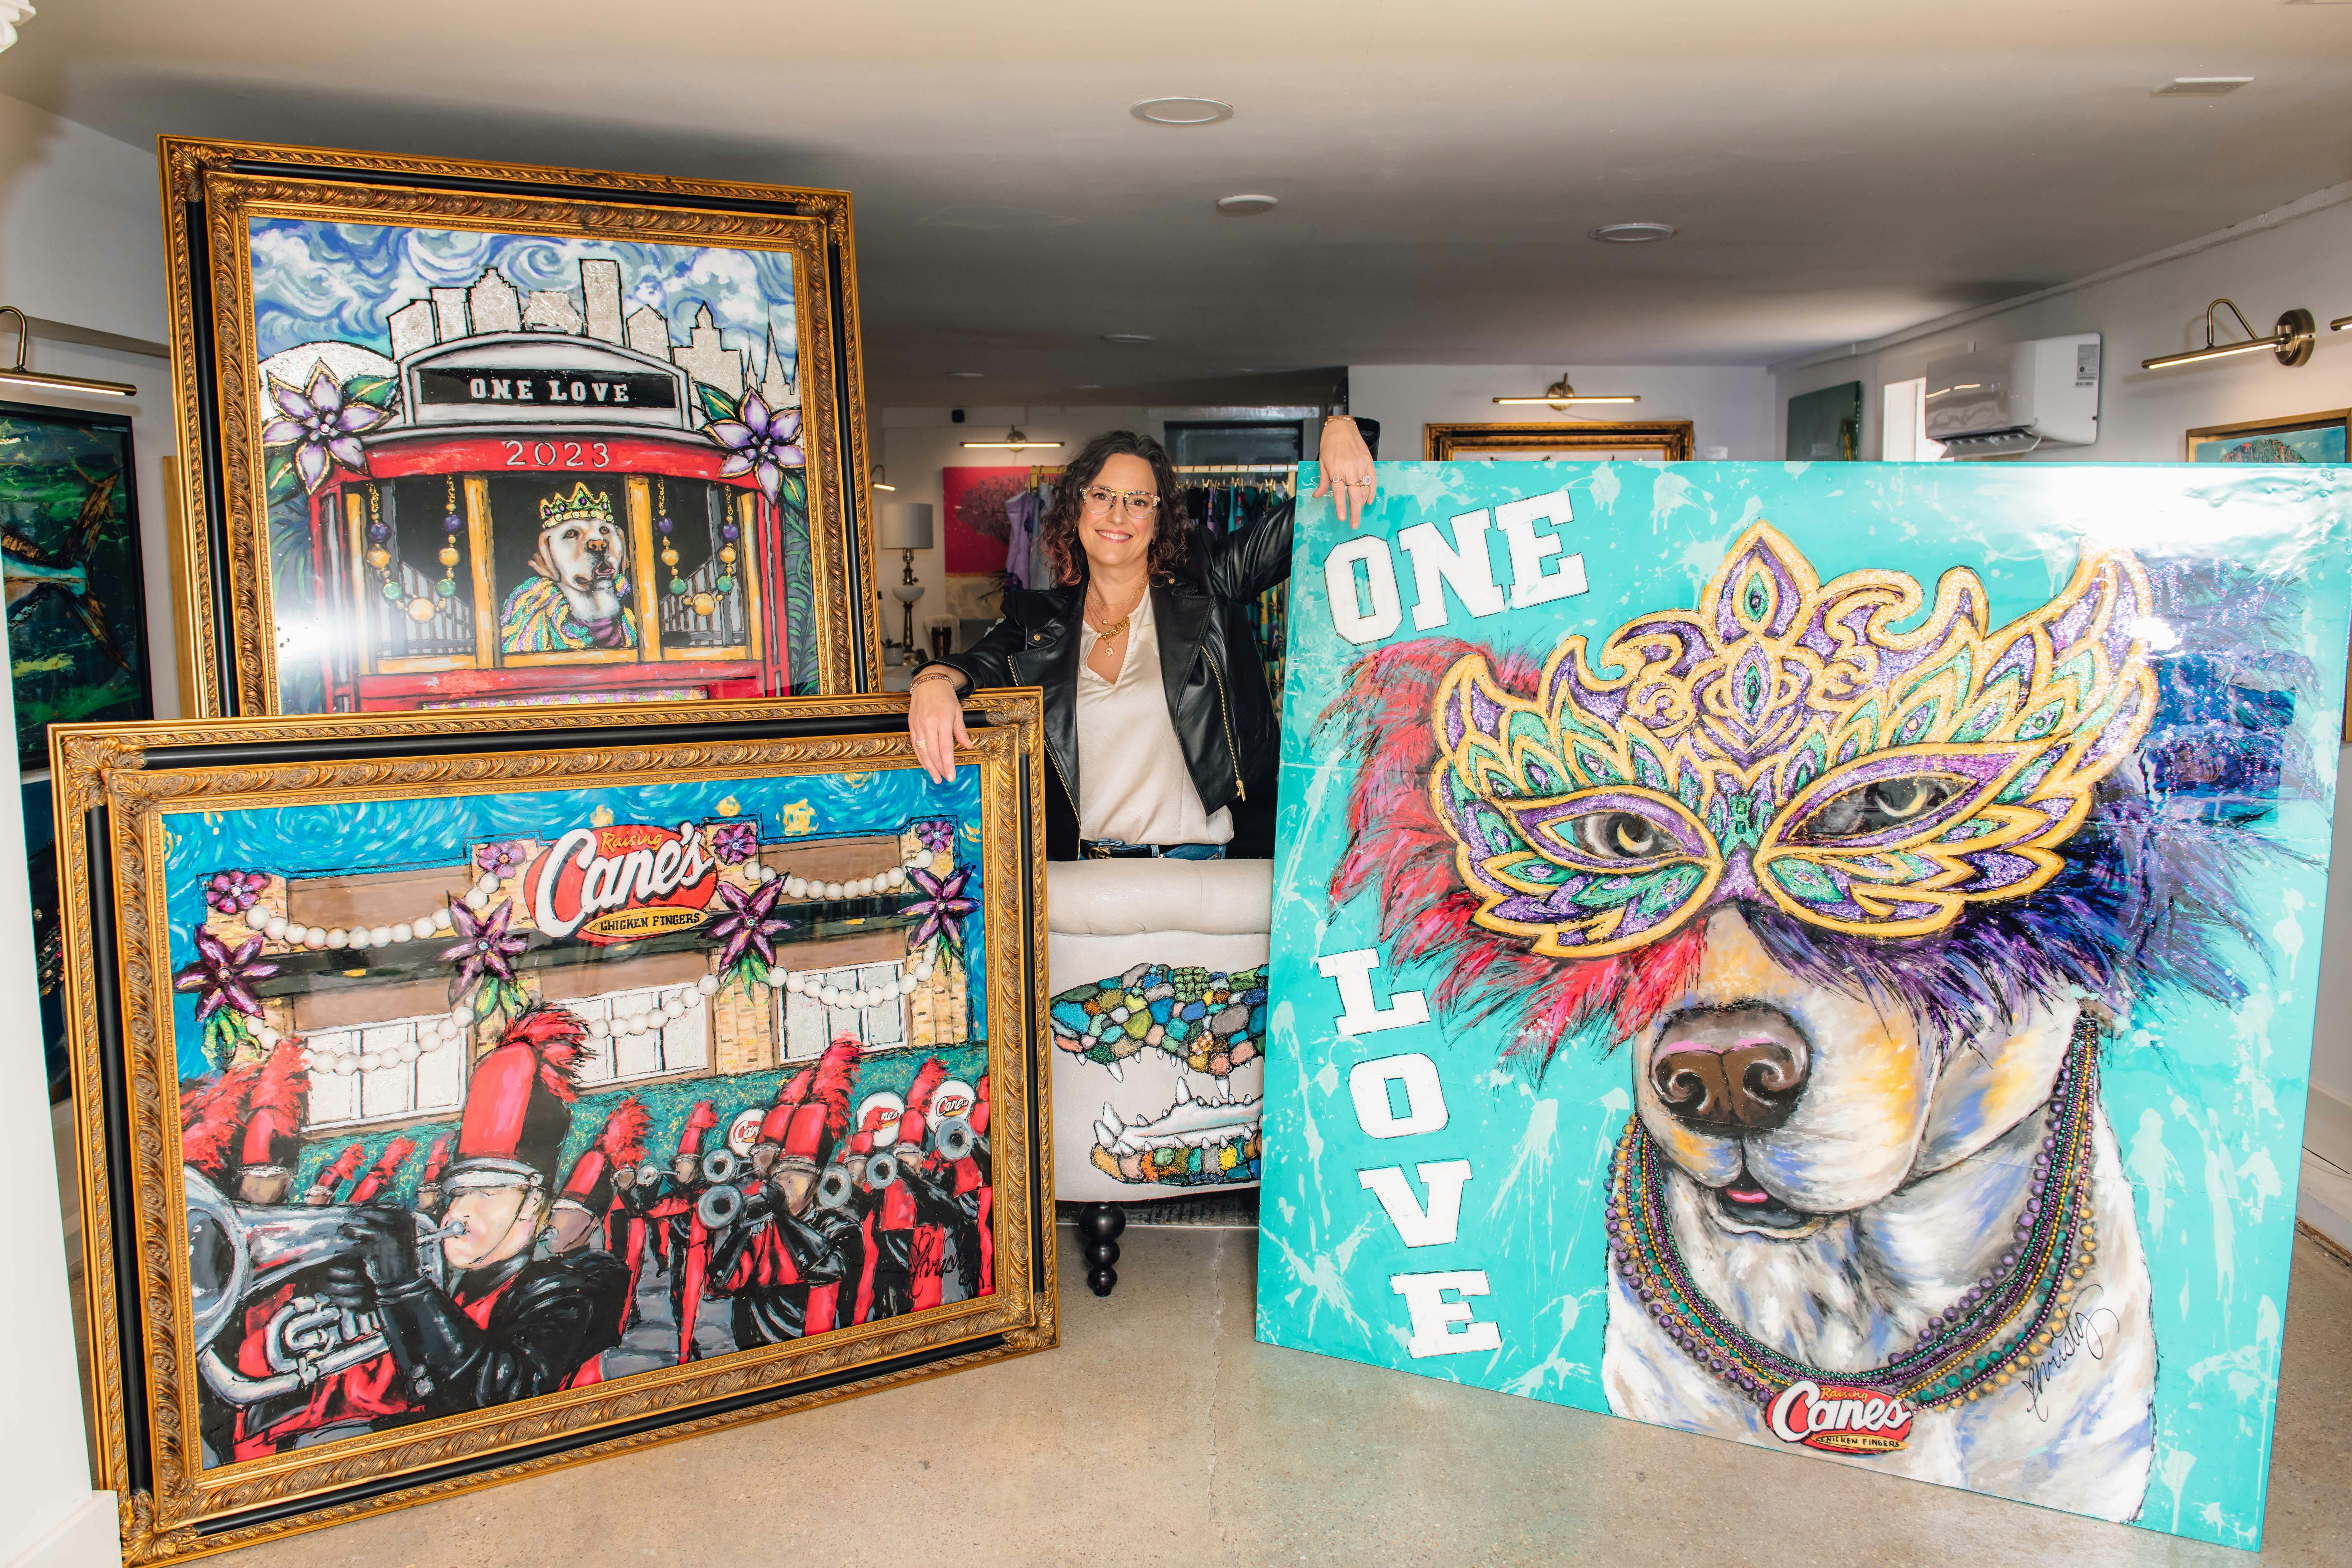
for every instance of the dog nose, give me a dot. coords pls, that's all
(1731, 1069)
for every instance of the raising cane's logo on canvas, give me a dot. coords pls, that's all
(1839, 1420)
(622, 883)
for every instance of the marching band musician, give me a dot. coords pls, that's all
(904, 1264)
(974, 1177)
(586, 1202)
(690, 1243)
(786, 1267)
(511, 1326)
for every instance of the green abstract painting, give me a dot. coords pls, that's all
(70, 548)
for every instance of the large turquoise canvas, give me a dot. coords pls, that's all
(1818, 955)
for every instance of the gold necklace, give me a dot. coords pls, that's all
(1118, 628)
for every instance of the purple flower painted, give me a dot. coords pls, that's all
(735, 842)
(323, 428)
(502, 859)
(484, 945)
(942, 906)
(935, 833)
(224, 978)
(747, 922)
(232, 892)
(759, 443)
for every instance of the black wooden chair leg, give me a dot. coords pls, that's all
(1099, 1226)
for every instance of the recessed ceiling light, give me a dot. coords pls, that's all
(1127, 337)
(2200, 86)
(1246, 370)
(1631, 233)
(966, 375)
(1182, 110)
(1087, 387)
(1246, 206)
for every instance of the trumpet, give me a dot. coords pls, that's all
(722, 1205)
(835, 1188)
(881, 1170)
(721, 1164)
(953, 1139)
(237, 1251)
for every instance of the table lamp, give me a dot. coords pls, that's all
(906, 526)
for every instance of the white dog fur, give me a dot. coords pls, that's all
(1917, 1165)
(582, 558)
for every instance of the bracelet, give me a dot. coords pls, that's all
(931, 670)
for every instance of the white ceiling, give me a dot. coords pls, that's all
(1838, 168)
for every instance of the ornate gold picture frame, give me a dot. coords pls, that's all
(462, 434)
(1661, 440)
(698, 1075)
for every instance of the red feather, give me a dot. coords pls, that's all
(398, 1150)
(209, 1119)
(283, 1086)
(560, 1041)
(623, 1132)
(929, 1077)
(341, 1167)
(837, 1080)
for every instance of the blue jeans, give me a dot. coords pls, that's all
(1112, 850)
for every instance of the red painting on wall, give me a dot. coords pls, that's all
(977, 530)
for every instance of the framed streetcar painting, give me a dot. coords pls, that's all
(472, 434)
(459, 1100)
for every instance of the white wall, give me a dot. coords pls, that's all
(1728, 406)
(79, 243)
(2143, 414)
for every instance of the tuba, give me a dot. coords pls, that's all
(237, 1251)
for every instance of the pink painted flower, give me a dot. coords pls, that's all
(503, 860)
(223, 978)
(234, 892)
(323, 428)
(735, 842)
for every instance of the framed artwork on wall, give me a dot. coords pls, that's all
(1825, 427)
(1811, 982)
(2306, 438)
(1623, 440)
(70, 543)
(469, 433)
(455, 1103)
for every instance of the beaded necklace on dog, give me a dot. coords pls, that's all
(1984, 1340)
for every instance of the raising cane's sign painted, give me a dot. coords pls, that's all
(622, 883)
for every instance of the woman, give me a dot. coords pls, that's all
(1161, 735)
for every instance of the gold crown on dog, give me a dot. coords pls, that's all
(582, 505)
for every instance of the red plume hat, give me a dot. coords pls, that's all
(387, 1166)
(916, 1122)
(518, 1105)
(699, 1121)
(272, 1140)
(590, 1184)
(823, 1114)
(436, 1160)
(778, 1119)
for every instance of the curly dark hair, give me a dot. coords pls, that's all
(1171, 535)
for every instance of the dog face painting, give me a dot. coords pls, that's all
(572, 599)
(1793, 1001)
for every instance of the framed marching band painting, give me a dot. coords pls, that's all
(479, 434)
(1819, 958)
(465, 1098)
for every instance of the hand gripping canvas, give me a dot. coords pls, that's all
(1818, 957)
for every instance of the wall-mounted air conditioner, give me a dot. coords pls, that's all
(2011, 400)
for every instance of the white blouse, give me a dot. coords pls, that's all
(1133, 785)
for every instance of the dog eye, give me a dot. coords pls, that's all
(1622, 835)
(1889, 802)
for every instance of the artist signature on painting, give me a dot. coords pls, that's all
(2088, 1328)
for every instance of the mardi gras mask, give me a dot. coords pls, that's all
(1786, 744)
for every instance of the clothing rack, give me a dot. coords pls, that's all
(1225, 498)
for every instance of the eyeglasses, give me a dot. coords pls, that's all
(1097, 498)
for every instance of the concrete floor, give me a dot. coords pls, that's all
(1162, 1433)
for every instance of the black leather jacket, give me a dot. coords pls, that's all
(1209, 661)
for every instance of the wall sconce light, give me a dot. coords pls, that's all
(1559, 394)
(2339, 323)
(905, 526)
(880, 483)
(18, 375)
(2291, 340)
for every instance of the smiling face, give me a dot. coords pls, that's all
(1114, 537)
